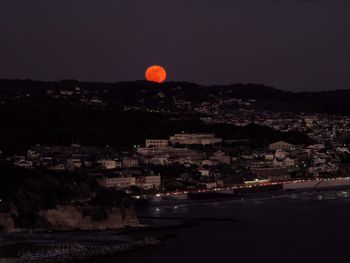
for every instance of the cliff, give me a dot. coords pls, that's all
(71, 218)
(65, 218)
(7, 222)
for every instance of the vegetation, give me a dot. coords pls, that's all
(29, 191)
(32, 116)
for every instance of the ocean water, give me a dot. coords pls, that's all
(307, 227)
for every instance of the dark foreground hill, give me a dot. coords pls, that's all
(94, 113)
(130, 93)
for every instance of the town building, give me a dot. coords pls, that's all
(195, 138)
(117, 182)
(156, 143)
(24, 164)
(109, 164)
(145, 182)
(275, 173)
(130, 163)
(204, 172)
(149, 182)
(281, 146)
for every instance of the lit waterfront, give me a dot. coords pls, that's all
(288, 184)
(292, 228)
(281, 228)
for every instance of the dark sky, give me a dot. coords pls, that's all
(289, 44)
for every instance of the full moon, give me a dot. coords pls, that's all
(156, 74)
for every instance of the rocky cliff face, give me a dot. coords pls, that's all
(65, 218)
(70, 218)
(7, 222)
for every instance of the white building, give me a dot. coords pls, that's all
(76, 162)
(156, 143)
(280, 154)
(150, 151)
(117, 182)
(288, 162)
(109, 164)
(343, 150)
(277, 163)
(211, 185)
(146, 182)
(221, 157)
(210, 162)
(195, 138)
(24, 164)
(149, 182)
(159, 160)
(130, 163)
(281, 146)
(317, 147)
(204, 172)
(57, 167)
(32, 154)
(269, 157)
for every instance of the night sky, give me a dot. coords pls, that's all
(288, 44)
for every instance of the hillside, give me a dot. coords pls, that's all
(125, 113)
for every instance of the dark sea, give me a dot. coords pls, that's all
(305, 227)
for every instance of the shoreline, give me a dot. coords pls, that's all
(145, 227)
(115, 241)
(130, 229)
(246, 196)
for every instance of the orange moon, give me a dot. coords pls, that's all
(156, 74)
